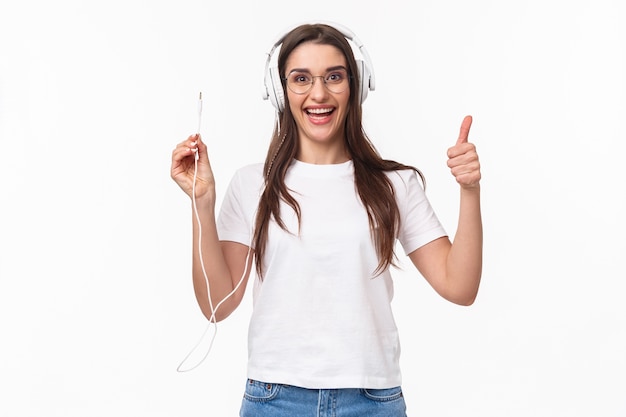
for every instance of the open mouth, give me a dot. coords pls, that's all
(320, 113)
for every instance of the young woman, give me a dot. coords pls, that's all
(321, 217)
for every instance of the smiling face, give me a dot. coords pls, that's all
(319, 113)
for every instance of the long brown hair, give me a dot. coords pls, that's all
(374, 188)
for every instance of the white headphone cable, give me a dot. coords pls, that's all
(212, 319)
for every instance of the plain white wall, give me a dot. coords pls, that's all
(96, 303)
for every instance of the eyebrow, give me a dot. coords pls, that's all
(336, 67)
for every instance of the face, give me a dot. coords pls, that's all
(319, 113)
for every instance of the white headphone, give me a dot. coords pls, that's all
(272, 84)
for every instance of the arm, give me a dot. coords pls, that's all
(454, 269)
(224, 262)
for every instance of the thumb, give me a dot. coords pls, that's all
(465, 128)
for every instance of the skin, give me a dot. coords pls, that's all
(321, 140)
(453, 269)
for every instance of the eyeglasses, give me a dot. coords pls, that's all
(301, 82)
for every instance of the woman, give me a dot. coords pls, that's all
(321, 217)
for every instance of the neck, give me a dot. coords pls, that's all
(322, 154)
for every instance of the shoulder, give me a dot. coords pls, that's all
(247, 179)
(250, 171)
(404, 179)
(251, 174)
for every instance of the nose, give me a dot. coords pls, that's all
(318, 89)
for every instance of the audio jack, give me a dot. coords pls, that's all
(199, 119)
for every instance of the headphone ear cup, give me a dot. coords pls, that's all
(275, 89)
(364, 79)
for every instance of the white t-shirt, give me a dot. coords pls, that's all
(320, 318)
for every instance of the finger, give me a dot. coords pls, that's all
(465, 128)
(461, 154)
(190, 142)
(460, 149)
(182, 151)
(199, 143)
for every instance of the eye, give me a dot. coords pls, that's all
(300, 78)
(335, 77)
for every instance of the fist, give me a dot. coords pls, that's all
(463, 159)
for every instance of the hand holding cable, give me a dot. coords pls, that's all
(191, 168)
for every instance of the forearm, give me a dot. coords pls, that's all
(464, 262)
(214, 262)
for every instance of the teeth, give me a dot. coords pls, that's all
(319, 111)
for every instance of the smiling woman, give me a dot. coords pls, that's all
(322, 216)
(95, 240)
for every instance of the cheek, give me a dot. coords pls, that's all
(345, 104)
(294, 102)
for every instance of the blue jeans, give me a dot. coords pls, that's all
(262, 399)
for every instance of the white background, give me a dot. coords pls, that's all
(96, 303)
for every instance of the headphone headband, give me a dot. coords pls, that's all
(272, 85)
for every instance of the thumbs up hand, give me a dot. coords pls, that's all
(463, 159)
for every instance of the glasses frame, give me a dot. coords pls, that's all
(323, 77)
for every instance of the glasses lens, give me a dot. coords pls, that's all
(336, 81)
(299, 82)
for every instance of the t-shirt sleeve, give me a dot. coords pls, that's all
(234, 222)
(419, 224)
